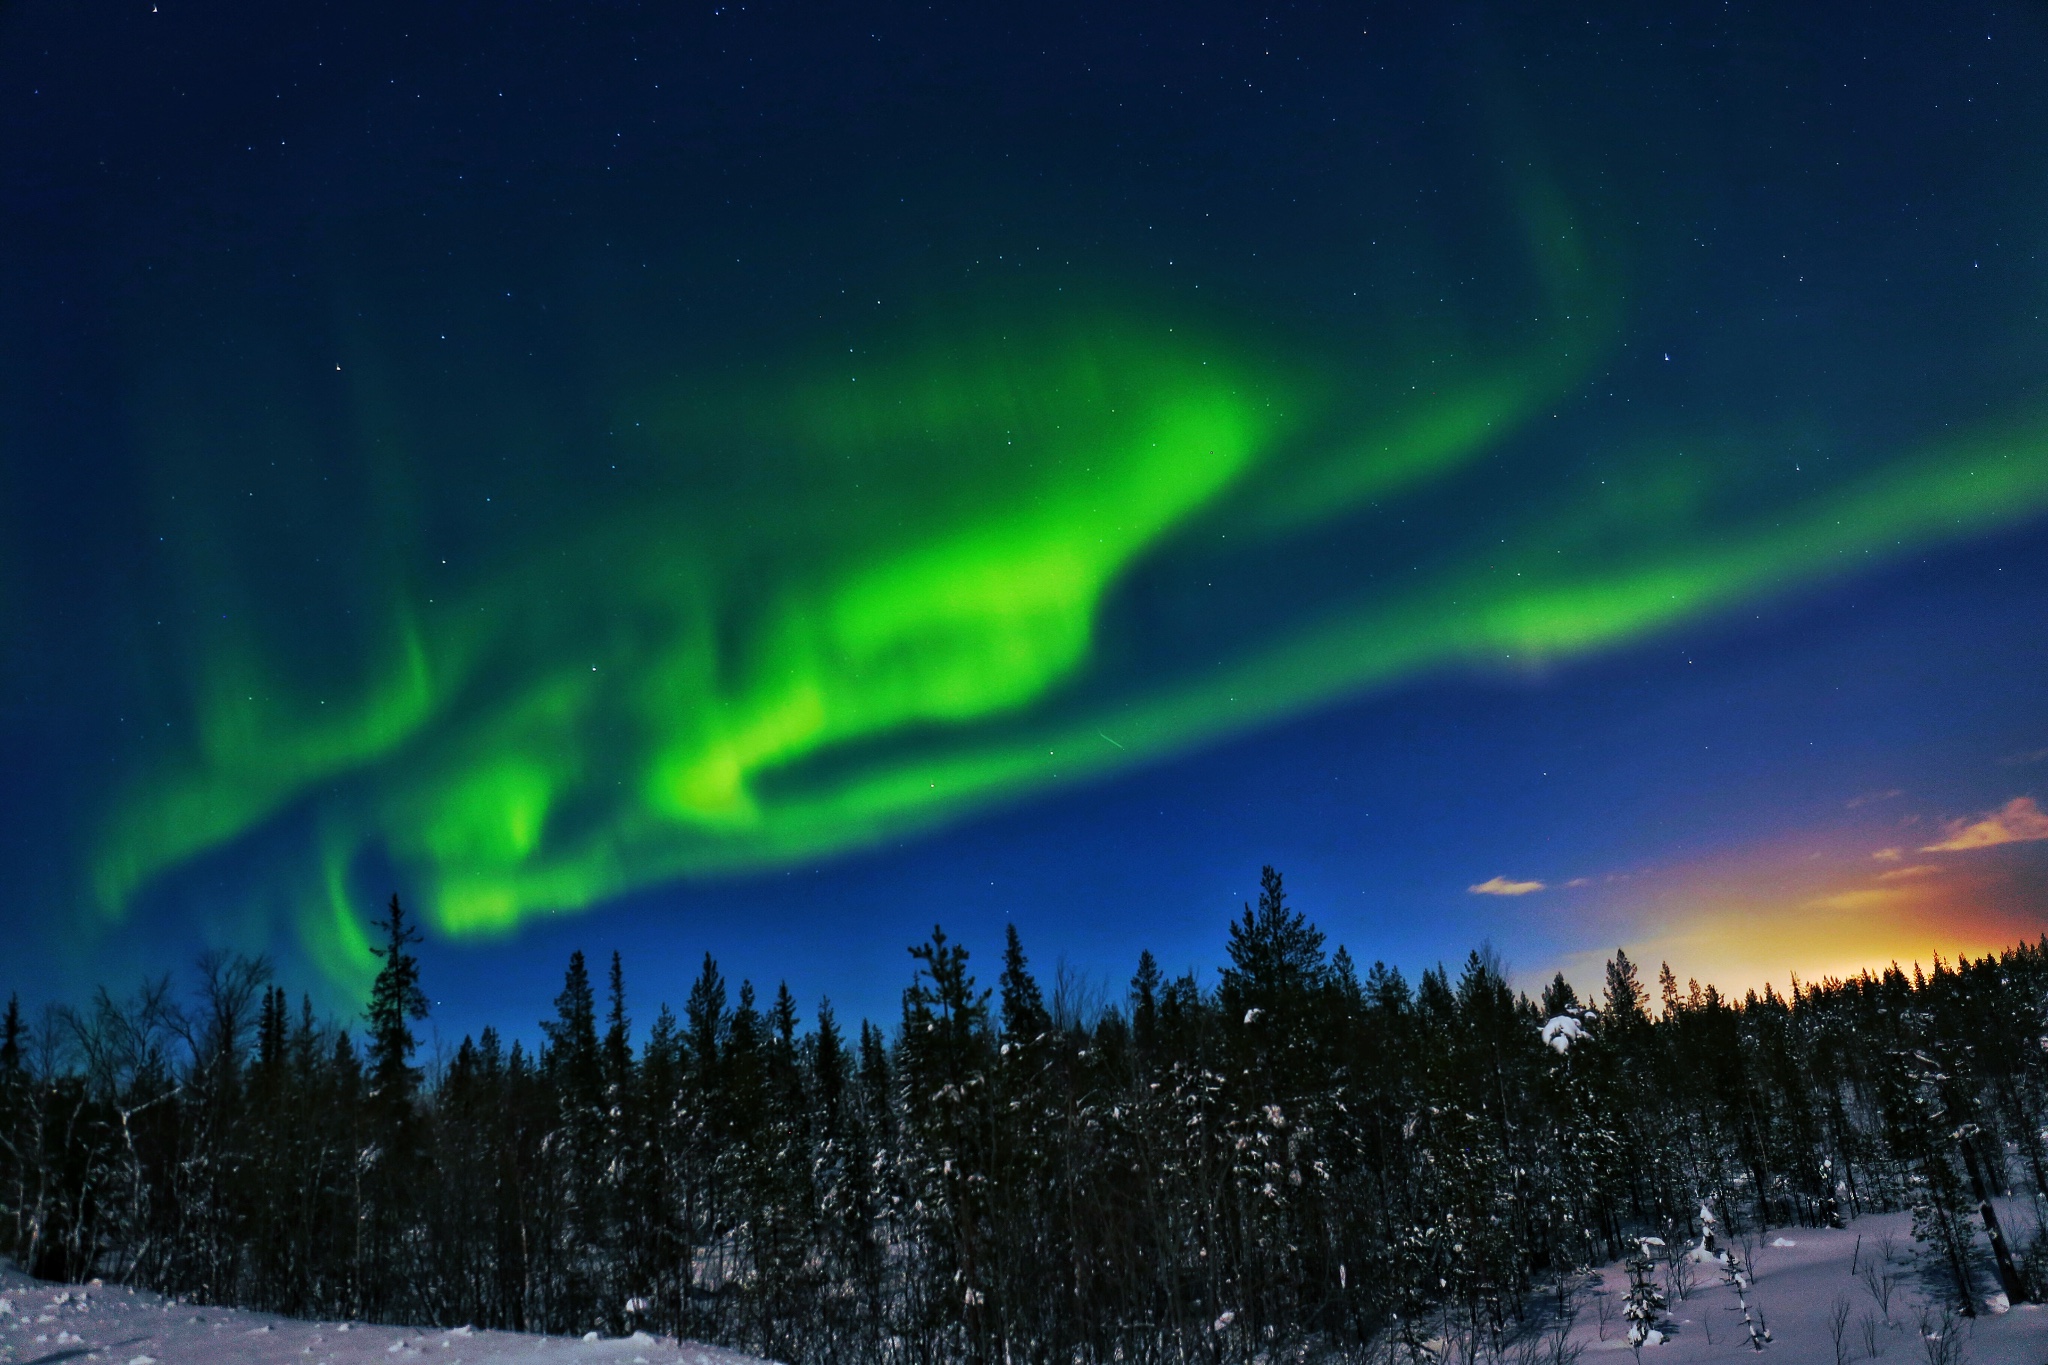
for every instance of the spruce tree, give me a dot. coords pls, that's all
(1644, 1305)
(944, 1062)
(1735, 1273)
(17, 1150)
(574, 1067)
(12, 1031)
(393, 1181)
(620, 1140)
(396, 1003)
(1025, 1020)
(1145, 984)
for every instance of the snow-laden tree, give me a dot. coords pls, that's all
(1643, 1309)
(1735, 1274)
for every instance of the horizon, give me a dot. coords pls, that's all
(1093, 996)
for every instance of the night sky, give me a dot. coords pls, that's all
(763, 478)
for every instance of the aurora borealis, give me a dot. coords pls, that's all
(618, 458)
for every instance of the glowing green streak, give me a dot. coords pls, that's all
(253, 754)
(980, 622)
(999, 493)
(1099, 451)
(1474, 620)
(876, 600)
(1095, 454)
(332, 927)
(1461, 621)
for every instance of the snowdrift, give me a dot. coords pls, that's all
(42, 1323)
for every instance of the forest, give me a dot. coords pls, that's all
(1304, 1159)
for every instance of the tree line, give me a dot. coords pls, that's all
(1302, 1158)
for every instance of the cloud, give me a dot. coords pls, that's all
(1917, 870)
(2029, 756)
(1869, 798)
(1501, 886)
(1578, 881)
(2018, 821)
(1889, 855)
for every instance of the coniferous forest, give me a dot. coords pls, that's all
(1307, 1158)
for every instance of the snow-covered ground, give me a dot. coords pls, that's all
(46, 1323)
(1802, 1275)
(1803, 1279)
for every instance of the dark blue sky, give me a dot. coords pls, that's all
(1599, 452)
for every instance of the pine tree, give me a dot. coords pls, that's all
(944, 1063)
(1025, 1020)
(572, 1047)
(618, 1044)
(659, 1184)
(1559, 998)
(1145, 1005)
(17, 1145)
(391, 1185)
(1276, 957)
(844, 1210)
(1918, 1131)
(620, 1141)
(1735, 1274)
(1644, 1305)
(1272, 995)
(1627, 1003)
(396, 1003)
(12, 1031)
(574, 1066)
(1023, 1240)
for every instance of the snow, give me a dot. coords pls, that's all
(116, 1326)
(1562, 1032)
(1797, 1283)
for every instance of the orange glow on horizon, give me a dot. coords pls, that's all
(1768, 915)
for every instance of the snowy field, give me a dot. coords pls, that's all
(46, 1323)
(1806, 1282)
(1804, 1278)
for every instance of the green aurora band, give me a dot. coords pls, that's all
(842, 599)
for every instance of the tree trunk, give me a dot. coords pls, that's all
(2008, 1274)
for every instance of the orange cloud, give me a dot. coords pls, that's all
(2018, 821)
(1501, 886)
